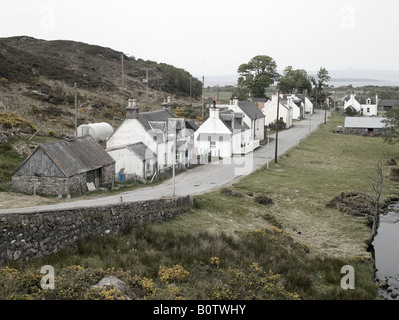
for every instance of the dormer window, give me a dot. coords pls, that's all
(368, 101)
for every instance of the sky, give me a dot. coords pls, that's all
(213, 37)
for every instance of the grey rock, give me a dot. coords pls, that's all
(117, 284)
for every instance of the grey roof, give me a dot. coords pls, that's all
(250, 110)
(190, 124)
(75, 156)
(232, 120)
(364, 122)
(388, 103)
(156, 123)
(360, 99)
(141, 151)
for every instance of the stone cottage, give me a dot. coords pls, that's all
(65, 167)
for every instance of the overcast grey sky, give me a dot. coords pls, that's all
(213, 37)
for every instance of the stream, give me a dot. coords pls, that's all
(386, 252)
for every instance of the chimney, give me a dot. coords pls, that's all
(250, 97)
(167, 104)
(132, 110)
(213, 111)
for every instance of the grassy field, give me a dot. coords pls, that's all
(231, 247)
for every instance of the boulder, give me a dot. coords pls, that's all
(117, 284)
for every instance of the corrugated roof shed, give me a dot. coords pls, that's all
(75, 156)
(364, 122)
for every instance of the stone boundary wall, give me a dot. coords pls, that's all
(36, 234)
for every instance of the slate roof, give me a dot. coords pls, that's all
(190, 124)
(154, 116)
(141, 151)
(74, 156)
(250, 110)
(230, 119)
(388, 103)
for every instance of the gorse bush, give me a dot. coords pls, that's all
(266, 263)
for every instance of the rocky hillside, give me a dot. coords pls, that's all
(37, 80)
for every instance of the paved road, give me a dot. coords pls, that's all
(202, 178)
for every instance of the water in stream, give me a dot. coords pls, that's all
(386, 252)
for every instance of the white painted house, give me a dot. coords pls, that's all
(361, 105)
(254, 118)
(224, 134)
(134, 160)
(160, 131)
(285, 111)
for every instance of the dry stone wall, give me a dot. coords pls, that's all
(36, 234)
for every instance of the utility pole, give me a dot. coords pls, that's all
(202, 98)
(146, 81)
(278, 116)
(123, 82)
(191, 102)
(76, 116)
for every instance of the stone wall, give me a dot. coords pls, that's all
(36, 234)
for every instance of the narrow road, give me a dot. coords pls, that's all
(202, 178)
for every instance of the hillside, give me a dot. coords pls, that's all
(37, 80)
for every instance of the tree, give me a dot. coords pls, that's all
(376, 184)
(294, 80)
(318, 92)
(391, 130)
(257, 75)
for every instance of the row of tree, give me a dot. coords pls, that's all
(261, 72)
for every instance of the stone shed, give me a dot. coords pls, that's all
(65, 167)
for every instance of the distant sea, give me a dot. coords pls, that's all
(339, 78)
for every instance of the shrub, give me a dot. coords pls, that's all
(173, 274)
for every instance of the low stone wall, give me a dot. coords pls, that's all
(36, 234)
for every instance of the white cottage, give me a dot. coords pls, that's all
(361, 105)
(285, 111)
(254, 118)
(134, 161)
(224, 134)
(160, 131)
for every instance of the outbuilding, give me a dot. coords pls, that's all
(364, 125)
(65, 167)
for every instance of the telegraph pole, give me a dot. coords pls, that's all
(76, 116)
(202, 98)
(123, 82)
(146, 81)
(278, 116)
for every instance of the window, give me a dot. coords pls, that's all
(213, 144)
(368, 101)
(368, 109)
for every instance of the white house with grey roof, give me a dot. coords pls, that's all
(254, 118)
(134, 161)
(285, 111)
(224, 134)
(160, 131)
(365, 106)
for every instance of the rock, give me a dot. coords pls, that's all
(383, 283)
(394, 295)
(117, 284)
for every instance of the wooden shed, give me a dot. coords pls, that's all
(65, 167)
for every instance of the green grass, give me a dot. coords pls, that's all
(228, 243)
